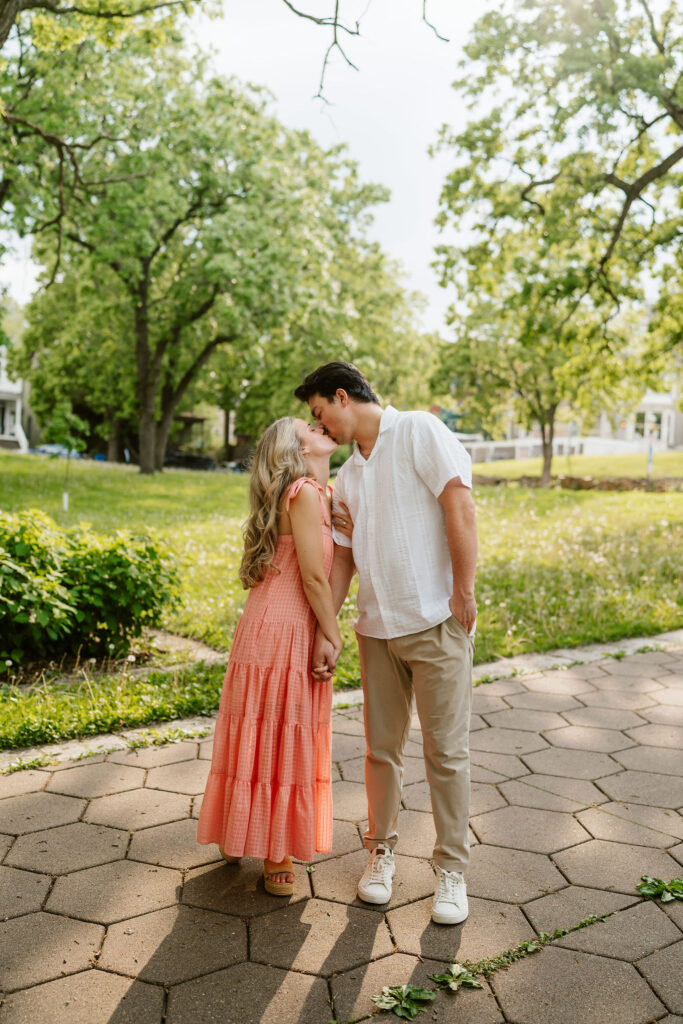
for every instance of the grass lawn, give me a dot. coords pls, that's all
(664, 464)
(557, 568)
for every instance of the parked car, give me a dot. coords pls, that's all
(56, 450)
(189, 460)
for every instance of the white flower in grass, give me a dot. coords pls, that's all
(131, 657)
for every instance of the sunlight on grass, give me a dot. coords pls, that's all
(557, 568)
(665, 464)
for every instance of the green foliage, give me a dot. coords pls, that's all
(490, 965)
(665, 464)
(49, 713)
(456, 977)
(656, 889)
(404, 1000)
(553, 567)
(65, 592)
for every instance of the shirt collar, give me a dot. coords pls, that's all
(386, 422)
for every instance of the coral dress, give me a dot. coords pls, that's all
(268, 794)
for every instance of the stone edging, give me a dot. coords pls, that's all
(522, 664)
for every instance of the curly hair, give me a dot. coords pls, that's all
(277, 463)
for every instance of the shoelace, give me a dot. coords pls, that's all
(448, 886)
(380, 864)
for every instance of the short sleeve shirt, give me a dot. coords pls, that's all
(399, 539)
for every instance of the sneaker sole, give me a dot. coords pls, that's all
(442, 919)
(373, 899)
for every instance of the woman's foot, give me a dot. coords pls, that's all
(278, 877)
(228, 856)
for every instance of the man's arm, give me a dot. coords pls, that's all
(324, 657)
(461, 531)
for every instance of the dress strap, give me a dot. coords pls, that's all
(296, 487)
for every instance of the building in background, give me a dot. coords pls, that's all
(12, 409)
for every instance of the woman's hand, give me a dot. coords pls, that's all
(325, 655)
(341, 519)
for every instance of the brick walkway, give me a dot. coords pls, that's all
(114, 915)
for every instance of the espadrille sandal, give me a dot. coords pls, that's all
(278, 888)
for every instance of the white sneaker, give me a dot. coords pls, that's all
(450, 897)
(375, 883)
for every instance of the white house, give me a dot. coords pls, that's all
(11, 407)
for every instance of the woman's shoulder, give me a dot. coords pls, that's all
(296, 486)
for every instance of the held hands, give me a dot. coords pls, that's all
(324, 657)
(464, 608)
(341, 519)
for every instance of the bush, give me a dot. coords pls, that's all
(65, 591)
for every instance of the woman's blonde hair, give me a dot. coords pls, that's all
(276, 464)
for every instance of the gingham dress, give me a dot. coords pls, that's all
(268, 793)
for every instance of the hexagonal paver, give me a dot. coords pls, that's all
(603, 718)
(645, 788)
(574, 764)
(482, 703)
(238, 889)
(627, 934)
(154, 756)
(528, 828)
(138, 808)
(551, 793)
(174, 945)
(319, 937)
(658, 736)
(184, 777)
(505, 766)
(669, 698)
(353, 990)
(512, 876)
(114, 892)
(541, 989)
(345, 747)
(634, 823)
(663, 714)
(57, 851)
(500, 687)
(622, 701)
(544, 701)
(349, 801)
(635, 665)
(416, 834)
(506, 741)
(346, 839)
(36, 811)
(91, 780)
(577, 737)
(651, 759)
(173, 846)
(569, 684)
(85, 998)
(628, 684)
(663, 971)
(615, 866)
(490, 928)
(484, 798)
(337, 880)
(353, 770)
(206, 749)
(21, 782)
(677, 852)
(21, 892)
(569, 906)
(5, 844)
(525, 719)
(343, 724)
(255, 995)
(39, 947)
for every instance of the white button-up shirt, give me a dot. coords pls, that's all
(399, 540)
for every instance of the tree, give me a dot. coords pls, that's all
(565, 181)
(219, 225)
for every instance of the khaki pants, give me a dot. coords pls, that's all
(435, 665)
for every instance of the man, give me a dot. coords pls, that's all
(407, 487)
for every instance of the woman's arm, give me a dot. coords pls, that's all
(304, 514)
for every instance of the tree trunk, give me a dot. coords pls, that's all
(226, 435)
(148, 380)
(547, 434)
(9, 12)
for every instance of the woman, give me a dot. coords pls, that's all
(268, 794)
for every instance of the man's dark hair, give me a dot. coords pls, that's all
(326, 379)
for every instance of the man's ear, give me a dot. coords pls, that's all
(342, 396)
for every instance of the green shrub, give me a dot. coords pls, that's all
(62, 592)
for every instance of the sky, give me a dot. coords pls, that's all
(388, 112)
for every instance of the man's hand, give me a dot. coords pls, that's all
(464, 608)
(323, 658)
